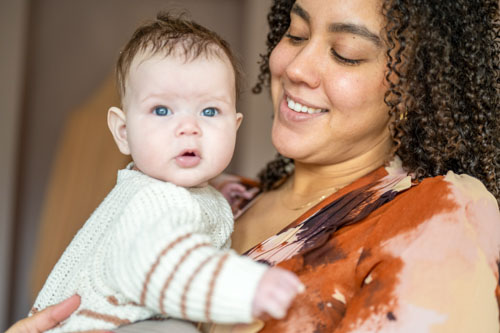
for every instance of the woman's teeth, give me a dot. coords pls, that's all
(301, 108)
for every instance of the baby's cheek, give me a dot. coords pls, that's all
(224, 155)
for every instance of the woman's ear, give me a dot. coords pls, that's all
(118, 126)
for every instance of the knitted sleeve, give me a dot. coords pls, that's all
(160, 257)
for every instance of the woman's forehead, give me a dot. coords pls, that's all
(332, 14)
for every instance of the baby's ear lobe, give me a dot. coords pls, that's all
(239, 118)
(118, 126)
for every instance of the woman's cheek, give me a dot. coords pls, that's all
(349, 92)
(344, 92)
(277, 59)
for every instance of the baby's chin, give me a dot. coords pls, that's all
(186, 182)
(204, 184)
(187, 177)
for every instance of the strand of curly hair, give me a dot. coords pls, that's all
(443, 73)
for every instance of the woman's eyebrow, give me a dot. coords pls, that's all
(356, 30)
(341, 27)
(296, 9)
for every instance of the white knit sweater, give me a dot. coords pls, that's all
(152, 248)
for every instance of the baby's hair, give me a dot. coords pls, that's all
(173, 33)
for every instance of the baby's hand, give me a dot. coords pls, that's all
(275, 292)
(235, 191)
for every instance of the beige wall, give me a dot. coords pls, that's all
(71, 49)
(254, 145)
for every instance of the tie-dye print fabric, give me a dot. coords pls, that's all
(313, 229)
(425, 261)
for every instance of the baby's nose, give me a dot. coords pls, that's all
(188, 126)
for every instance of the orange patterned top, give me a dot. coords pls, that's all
(403, 258)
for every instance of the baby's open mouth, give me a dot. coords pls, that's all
(188, 158)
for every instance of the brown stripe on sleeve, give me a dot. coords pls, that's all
(172, 274)
(188, 284)
(104, 317)
(156, 263)
(210, 291)
(114, 301)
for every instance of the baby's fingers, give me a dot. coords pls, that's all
(290, 281)
(275, 293)
(275, 308)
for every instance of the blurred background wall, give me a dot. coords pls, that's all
(57, 57)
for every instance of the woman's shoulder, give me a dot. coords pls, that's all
(468, 188)
(455, 190)
(452, 206)
(480, 208)
(459, 188)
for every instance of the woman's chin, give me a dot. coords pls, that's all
(291, 151)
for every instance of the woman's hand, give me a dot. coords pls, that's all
(47, 318)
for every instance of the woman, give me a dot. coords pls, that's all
(378, 81)
(374, 102)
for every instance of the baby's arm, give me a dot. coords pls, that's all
(161, 260)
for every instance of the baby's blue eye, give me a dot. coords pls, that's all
(161, 111)
(209, 112)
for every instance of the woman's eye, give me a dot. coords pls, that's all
(209, 112)
(161, 111)
(344, 60)
(294, 39)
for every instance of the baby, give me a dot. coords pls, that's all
(159, 242)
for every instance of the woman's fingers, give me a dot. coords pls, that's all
(61, 311)
(47, 318)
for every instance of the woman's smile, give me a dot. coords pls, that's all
(293, 109)
(298, 107)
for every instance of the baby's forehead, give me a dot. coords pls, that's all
(183, 54)
(148, 71)
(179, 55)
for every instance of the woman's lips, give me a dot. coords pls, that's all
(188, 159)
(294, 116)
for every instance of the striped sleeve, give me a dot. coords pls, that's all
(160, 258)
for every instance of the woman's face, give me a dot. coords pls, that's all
(328, 82)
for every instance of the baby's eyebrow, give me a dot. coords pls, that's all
(222, 96)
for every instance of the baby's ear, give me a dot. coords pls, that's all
(118, 126)
(239, 118)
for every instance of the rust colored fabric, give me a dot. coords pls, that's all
(425, 260)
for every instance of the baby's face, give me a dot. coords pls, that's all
(181, 118)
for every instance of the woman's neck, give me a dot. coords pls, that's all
(309, 179)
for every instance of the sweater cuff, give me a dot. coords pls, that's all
(238, 280)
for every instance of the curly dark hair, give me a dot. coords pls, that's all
(443, 75)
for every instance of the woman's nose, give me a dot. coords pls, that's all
(188, 125)
(305, 66)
